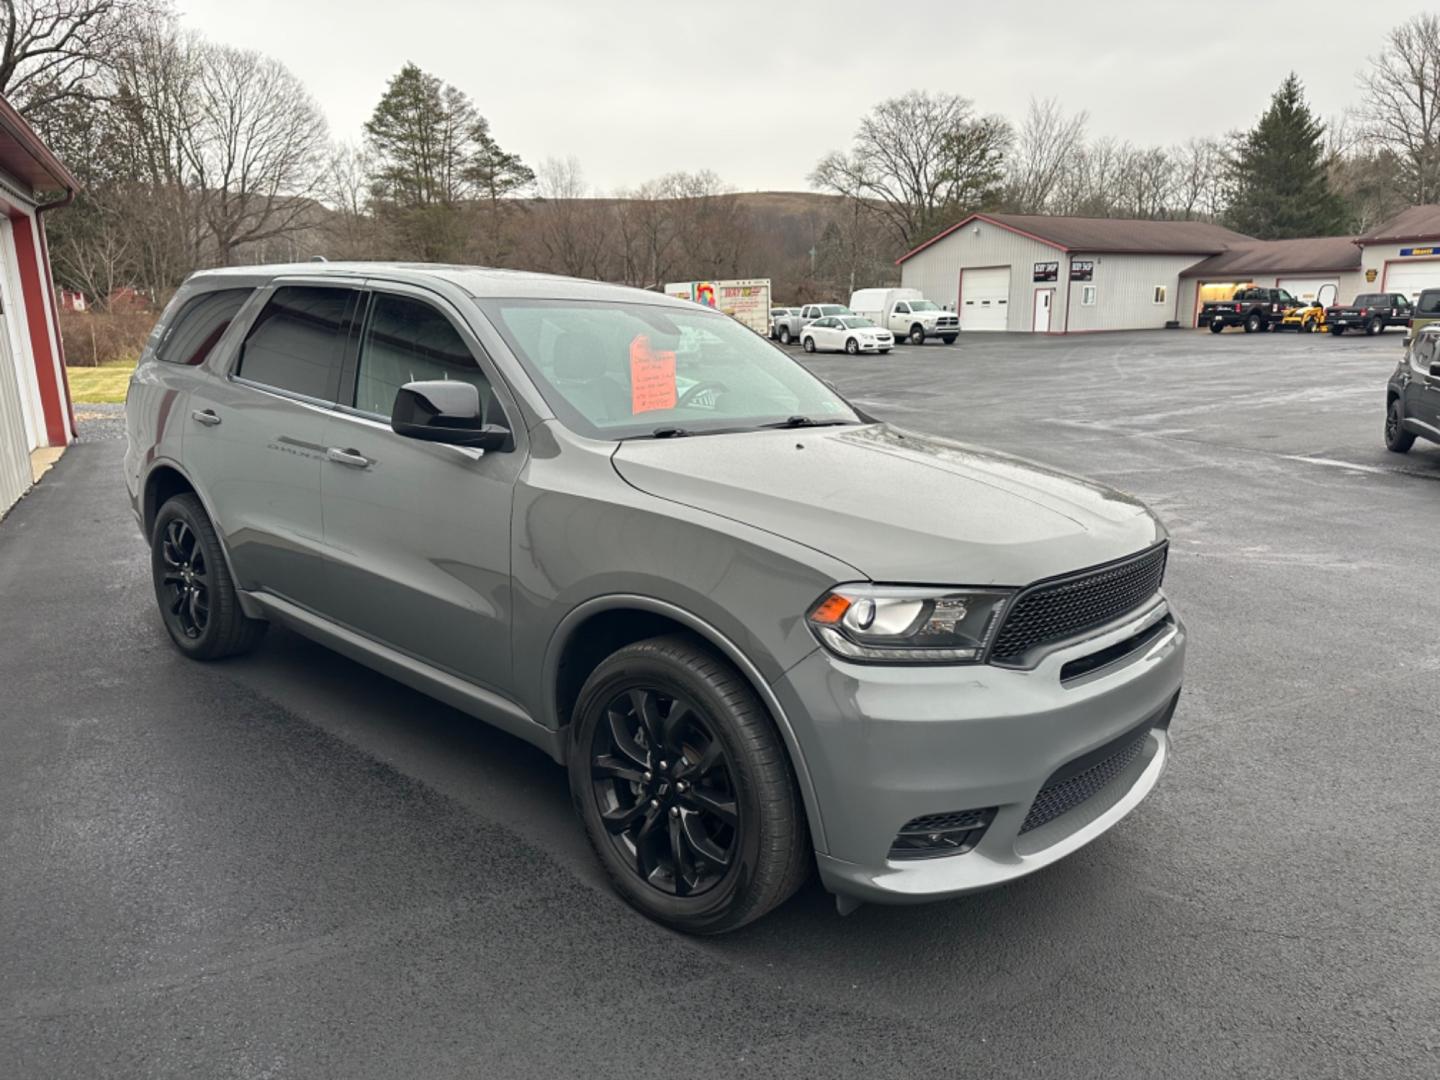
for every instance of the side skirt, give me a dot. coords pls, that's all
(467, 697)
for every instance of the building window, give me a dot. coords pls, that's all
(1087, 296)
(1159, 294)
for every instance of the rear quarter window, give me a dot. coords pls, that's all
(296, 342)
(199, 325)
(1429, 302)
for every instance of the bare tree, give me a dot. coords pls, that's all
(570, 230)
(1047, 146)
(1401, 111)
(345, 190)
(918, 161)
(1199, 188)
(52, 50)
(254, 145)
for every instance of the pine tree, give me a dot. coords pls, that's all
(1279, 184)
(439, 176)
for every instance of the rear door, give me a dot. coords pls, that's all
(255, 442)
(419, 532)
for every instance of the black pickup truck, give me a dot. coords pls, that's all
(1255, 308)
(1371, 312)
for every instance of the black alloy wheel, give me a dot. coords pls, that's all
(185, 581)
(684, 787)
(197, 599)
(666, 792)
(1397, 439)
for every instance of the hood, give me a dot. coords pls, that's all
(896, 505)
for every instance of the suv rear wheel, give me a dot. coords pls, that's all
(1397, 439)
(193, 588)
(684, 788)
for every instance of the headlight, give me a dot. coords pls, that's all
(896, 624)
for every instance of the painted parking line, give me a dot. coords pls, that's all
(1379, 470)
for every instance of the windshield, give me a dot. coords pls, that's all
(616, 371)
(855, 322)
(923, 305)
(834, 309)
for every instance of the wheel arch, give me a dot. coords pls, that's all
(163, 480)
(596, 628)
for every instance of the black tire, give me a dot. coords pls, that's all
(808, 343)
(1373, 327)
(884, 352)
(1216, 327)
(917, 335)
(1312, 326)
(784, 335)
(193, 587)
(1397, 439)
(1337, 330)
(705, 875)
(948, 339)
(1254, 323)
(852, 346)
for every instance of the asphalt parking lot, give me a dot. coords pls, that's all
(287, 865)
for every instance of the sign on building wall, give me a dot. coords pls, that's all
(1371, 275)
(1417, 253)
(1047, 271)
(1082, 269)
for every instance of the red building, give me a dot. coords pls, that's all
(34, 398)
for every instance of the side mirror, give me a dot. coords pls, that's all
(446, 411)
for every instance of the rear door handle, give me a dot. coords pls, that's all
(352, 458)
(206, 417)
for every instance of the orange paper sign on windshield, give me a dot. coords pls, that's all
(652, 377)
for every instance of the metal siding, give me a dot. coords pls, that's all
(14, 445)
(1124, 289)
(936, 270)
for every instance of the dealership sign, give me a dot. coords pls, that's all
(1082, 269)
(1047, 271)
(1415, 253)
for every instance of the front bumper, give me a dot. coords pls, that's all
(885, 745)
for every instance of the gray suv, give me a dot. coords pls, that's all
(762, 630)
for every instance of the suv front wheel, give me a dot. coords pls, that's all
(684, 787)
(193, 587)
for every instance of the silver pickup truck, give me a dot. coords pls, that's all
(787, 327)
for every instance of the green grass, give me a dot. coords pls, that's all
(103, 385)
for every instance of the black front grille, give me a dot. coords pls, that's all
(1060, 796)
(932, 835)
(1063, 607)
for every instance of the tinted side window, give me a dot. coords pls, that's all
(409, 341)
(1429, 303)
(199, 325)
(296, 342)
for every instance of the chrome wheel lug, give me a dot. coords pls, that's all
(674, 811)
(664, 765)
(680, 785)
(648, 777)
(654, 804)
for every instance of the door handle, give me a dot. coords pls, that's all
(206, 417)
(352, 458)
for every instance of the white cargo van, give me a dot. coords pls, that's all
(906, 314)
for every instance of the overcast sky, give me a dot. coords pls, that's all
(759, 91)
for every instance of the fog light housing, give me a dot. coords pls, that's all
(933, 836)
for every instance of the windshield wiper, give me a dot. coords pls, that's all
(804, 421)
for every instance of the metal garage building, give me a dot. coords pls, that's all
(1026, 272)
(1403, 255)
(1325, 268)
(34, 401)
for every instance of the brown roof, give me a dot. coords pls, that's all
(24, 156)
(1316, 254)
(1108, 235)
(1416, 223)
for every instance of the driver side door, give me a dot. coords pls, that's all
(1422, 391)
(418, 533)
(824, 332)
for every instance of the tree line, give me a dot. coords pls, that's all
(194, 153)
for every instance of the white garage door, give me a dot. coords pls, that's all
(985, 298)
(1310, 288)
(1409, 278)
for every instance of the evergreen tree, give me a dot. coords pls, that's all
(439, 175)
(1279, 182)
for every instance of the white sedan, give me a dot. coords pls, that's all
(853, 333)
